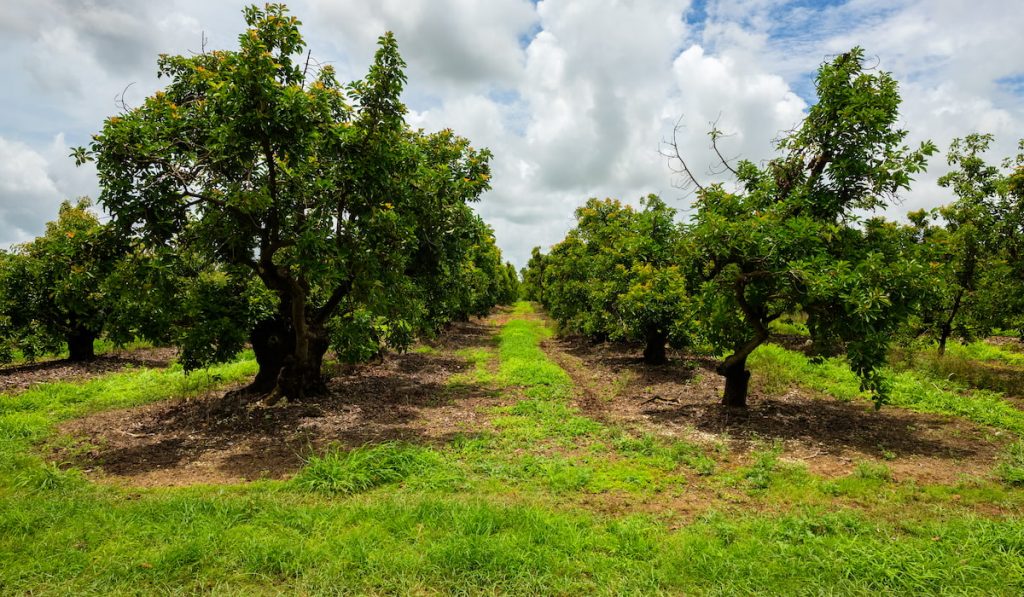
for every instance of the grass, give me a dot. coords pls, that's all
(776, 368)
(494, 512)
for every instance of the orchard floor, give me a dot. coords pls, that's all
(411, 397)
(502, 459)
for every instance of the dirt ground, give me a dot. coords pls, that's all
(681, 398)
(17, 378)
(409, 397)
(188, 442)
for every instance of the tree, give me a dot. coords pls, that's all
(787, 238)
(269, 168)
(969, 244)
(54, 291)
(616, 276)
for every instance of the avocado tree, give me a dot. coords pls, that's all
(968, 245)
(54, 290)
(617, 276)
(787, 238)
(268, 167)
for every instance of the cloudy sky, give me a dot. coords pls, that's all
(572, 96)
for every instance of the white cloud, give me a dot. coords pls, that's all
(33, 184)
(573, 97)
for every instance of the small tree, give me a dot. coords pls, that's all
(53, 290)
(271, 169)
(787, 239)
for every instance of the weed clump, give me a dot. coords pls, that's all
(367, 467)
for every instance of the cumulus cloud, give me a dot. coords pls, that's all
(573, 98)
(33, 184)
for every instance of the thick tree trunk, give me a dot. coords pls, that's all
(80, 345)
(737, 380)
(301, 374)
(272, 342)
(654, 349)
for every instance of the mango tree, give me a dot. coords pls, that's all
(54, 291)
(786, 237)
(265, 164)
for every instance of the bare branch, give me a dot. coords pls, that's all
(716, 133)
(670, 151)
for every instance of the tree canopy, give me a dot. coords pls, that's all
(266, 167)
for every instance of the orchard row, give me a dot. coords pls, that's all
(796, 236)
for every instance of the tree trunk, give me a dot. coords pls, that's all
(737, 379)
(80, 345)
(301, 374)
(654, 349)
(944, 334)
(947, 326)
(272, 341)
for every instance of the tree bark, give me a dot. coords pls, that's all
(654, 349)
(947, 326)
(272, 341)
(80, 345)
(737, 380)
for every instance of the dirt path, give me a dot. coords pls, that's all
(182, 442)
(680, 399)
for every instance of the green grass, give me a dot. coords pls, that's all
(493, 512)
(983, 351)
(776, 368)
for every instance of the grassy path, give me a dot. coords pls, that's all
(489, 513)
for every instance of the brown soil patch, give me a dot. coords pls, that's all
(18, 378)
(681, 399)
(187, 442)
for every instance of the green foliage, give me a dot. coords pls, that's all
(56, 291)
(274, 172)
(617, 276)
(973, 281)
(789, 238)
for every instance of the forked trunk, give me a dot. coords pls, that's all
(654, 348)
(80, 345)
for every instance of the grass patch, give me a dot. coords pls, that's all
(1011, 469)
(491, 513)
(368, 467)
(778, 368)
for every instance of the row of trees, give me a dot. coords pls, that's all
(791, 236)
(257, 199)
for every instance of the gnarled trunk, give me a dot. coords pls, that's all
(654, 348)
(80, 344)
(301, 374)
(272, 341)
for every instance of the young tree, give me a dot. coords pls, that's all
(787, 239)
(268, 167)
(54, 291)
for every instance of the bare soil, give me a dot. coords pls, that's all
(410, 397)
(187, 442)
(18, 378)
(681, 399)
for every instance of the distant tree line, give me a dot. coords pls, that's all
(797, 235)
(256, 200)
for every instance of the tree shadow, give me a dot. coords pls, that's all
(407, 397)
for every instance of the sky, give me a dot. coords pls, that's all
(573, 97)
